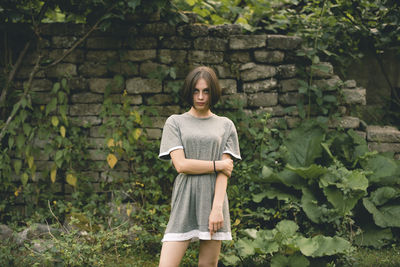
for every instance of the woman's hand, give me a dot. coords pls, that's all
(225, 166)
(216, 220)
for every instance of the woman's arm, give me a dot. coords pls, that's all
(194, 166)
(216, 219)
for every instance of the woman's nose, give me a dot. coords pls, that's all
(201, 95)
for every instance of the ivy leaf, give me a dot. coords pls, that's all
(30, 160)
(17, 166)
(24, 178)
(56, 87)
(51, 106)
(136, 133)
(59, 158)
(54, 121)
(20, 141)
(53, 174)
(62, 131)
(112, 160)
(71, 179)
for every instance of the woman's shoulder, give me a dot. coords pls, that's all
(224, 120)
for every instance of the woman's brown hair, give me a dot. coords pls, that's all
(211, 79)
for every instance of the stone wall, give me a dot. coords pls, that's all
(260, 70)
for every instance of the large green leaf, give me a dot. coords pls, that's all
(292, 179)
(319, 246)
(280, 260)
(373, 236)
(316, 211)
(383, 170)
(341, 202)
(287, 228)
(383, 194)
(384, 216)
(311, 172)
(272, 193)
(304, 145)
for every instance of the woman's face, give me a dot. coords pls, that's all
(201, 96)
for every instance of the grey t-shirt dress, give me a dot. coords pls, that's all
(193, 195)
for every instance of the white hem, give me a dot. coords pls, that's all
(231, 153)
(195, 235)
(169, 151)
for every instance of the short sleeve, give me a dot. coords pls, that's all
(170, 140)
(232, 144)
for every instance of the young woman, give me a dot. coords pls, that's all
(201, 146)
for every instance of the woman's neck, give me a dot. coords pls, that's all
(200, 114)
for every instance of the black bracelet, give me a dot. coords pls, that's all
(214, 167)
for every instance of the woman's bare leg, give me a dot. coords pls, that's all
(209, 253)
(172, 253)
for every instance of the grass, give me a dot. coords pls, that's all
(365, 257)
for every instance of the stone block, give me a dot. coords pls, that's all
(173, 86)
(76, 56)
(224, 71)
(103, 43)
(322, 70)
(269, 56)
(41, 98)
(346, 122)
(210, 43)
(330, 84)
(99, 85)
(260, 86)
(159, 99)
(362, 134)
(355, 96)
(290, 98)
(86, 98)
(97, 142)
(157, 122)
(239, 42)
(384, 147)
(239, 56)
(64, 41)
(233, 101)
(61, 70)
(164, 111)
(350, 84)
(263, 99)
(84, 109)
(77, 83)
(138, 55)
(96, 133)
(292, 122)
(251, 72)
(283, 42)
(140, 85)
(131, 99)
(40, 85)
(63, 29)
(176, 42)
(287, 71)
(115, 176)
(228, 86)
(153, 134)
(86, 121)
(158, 29)
(138, 42)
(206, 57)
(102, 56)
(225, 30)
(124, 68)
(96, 154)
(193, 30)
(170, 56)
(385, 134)
(282, 111)
(93, 69)
(148, 68)
(289, 85)
(24, 72)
